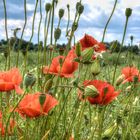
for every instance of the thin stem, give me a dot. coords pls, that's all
(46, 37)
(52, 22)
(120, 51)
(5, 15)
(109, 20)
(31, 34)
(20, 42)
(39, 45)
(68, 22)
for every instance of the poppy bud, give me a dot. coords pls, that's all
(47, 7)
(42, 99)
(113, 46)
(74, 26)
(91, 91)
(57, 33)
(80, 9)
(120, 79)
(87, 55)
(95, 67)
(78, 49)
(48, 85)
(61, 13)
(110, 131)
(75, 82)
(128, 89)
(29, 80)
(128, 12)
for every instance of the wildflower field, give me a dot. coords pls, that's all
(81, 90)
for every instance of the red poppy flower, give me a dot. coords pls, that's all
(10, 80)
(106, 92)
(30, 105)
(129, 74)
(68, 66)
(88, 41)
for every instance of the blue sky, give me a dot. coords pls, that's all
(92, 21)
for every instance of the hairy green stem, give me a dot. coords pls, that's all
(114, 74)
(31, 36)
(20, 42)
(109, 20)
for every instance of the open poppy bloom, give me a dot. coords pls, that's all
(130, 73)
(106, 92)
(10, 80)
(66, 70)
(11, 126)
(30, 105)
(88, 41)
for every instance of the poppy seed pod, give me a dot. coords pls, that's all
(78, 49)
(61, 13)
(29, 80)
(80, 9)
(74, 26)
(48, 85)
(57, 33)
(87, 55)
(77, 5)
(68, 6)
(128, 12)
(95, 67)
(42, 99)
(91, 91)
(47, 7)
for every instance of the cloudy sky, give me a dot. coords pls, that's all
(92, 21)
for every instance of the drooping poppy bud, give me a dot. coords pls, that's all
(48, 85)
(128, 89)
(95, 67)
(47, 7)
(42, 99)
(78, 49)
(120, 79)
(113, 46)
(87, 55)
(128, 12)
(91, 91)
(61, 13)
(110, 131)
(29, 80)
(57, 33)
